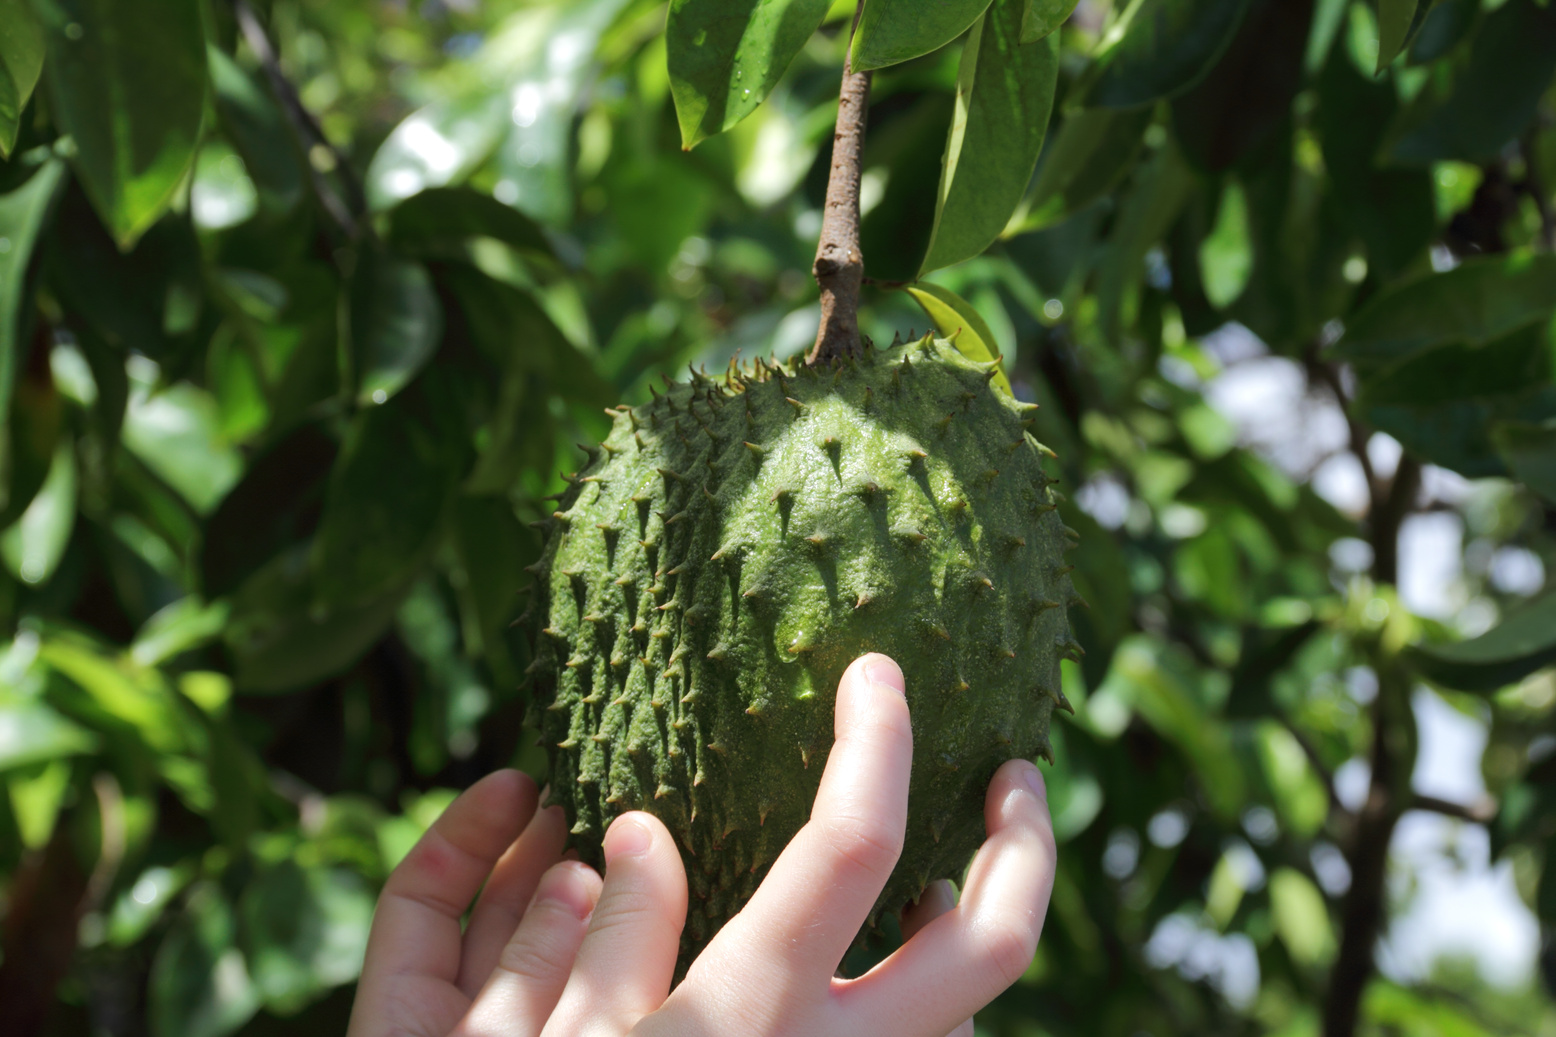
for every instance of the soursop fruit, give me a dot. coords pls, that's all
(734, 545)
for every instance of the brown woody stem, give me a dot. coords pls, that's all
(839, 267)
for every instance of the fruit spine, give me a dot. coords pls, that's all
(733, 545)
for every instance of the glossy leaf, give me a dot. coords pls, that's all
(396, 322)
(533, 162)
(727, 55)
(258, 131)
(1480, 300)
(1083, 161)
(174, 431)
(22, 213)
(1495, 96)
(21, 62)
(31, 732)
(127, 80)
(1394, 20)
(34, 544)
(955, 319)
(1169, 46)
(1523, 642)
(1043, 17)
(440, 218)
(1529, 451)
(893, 31)
(438, 145)
(1004, 94)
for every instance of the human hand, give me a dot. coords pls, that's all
(586, 958)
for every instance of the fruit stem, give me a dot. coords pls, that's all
(839, 266)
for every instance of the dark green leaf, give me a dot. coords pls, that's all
(127, 81)
(1529, 451)
(21, 62)
(304, 930)
(199, 983)
(1160, 190)
(1523, 642)
(1478, 301)
(1083, 161)
(259, 132)
(281, 640)
(1392, 209)
(1495, 95)
(435, 219)
(1043, 17)
(1003, 97)
(1167, 48)
(276, 506)
(396, 322)
(22, 213)
(1443, 402)
(892, 31)
(727, 55)
(1394, 19)
(1443, 29)
(384, 504)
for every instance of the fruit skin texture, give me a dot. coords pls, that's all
(734, 545)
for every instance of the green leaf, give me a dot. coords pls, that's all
(1043, 17)
(534, 164)
(1442, 403)
(259, 132)
(384, 504)
(956, 320)
(1004, 94)
(1226, 256)
(893, 31)
(1168, 47)
(1158, 194)
(33, 546)
(1480, 300)
(396, 323)
(304, 930)
(174, 629)
(174, 430)
(1301, 918)
(22, 213)
(1091, 152)
(200, 984)
(1495, 95)
(127, 81)
(1394, 19)
(31, 732)
(440, 217)
(1529, 451)
(1522, 643)
(434, 146)
(281, 640)
(725, 57)
(21, 62)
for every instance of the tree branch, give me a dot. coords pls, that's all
(839, 266)
(309, 133)
(1479, 813)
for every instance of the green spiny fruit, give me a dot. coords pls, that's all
(728, 551)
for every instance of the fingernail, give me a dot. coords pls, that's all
(1034, 781)
(627, 837)
(883, 672)
(565, 887)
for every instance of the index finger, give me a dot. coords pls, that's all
(810, 906)
(416, 927)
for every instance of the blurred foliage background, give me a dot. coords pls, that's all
(303, 305)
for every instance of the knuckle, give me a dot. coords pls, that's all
(1010, 946)
(869, 844)
(537, 960)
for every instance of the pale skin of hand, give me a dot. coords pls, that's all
(553, 951)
